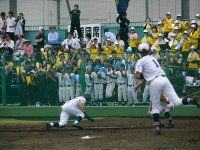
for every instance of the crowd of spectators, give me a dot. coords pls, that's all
(50, 72)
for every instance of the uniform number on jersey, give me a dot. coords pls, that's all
(157, 65)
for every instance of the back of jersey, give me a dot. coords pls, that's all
(149, 67)
(77, 100)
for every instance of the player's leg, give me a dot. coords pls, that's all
(71, 92)
(79, 116)
(119, 91)
(145, 93)
(108, 90)
(78, 28)
(129, 94)
(155, 91)
(72, 28)
(124, 91)
(67, 93)
(101, 91)
(169, 91)
(134, 95)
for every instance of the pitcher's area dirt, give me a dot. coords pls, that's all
(103, 134)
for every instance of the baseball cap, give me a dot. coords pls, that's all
(192, 47)
(116, 42)
(87, 96)
(129, 49)
(143, 46)
(193, 26)
(179, 15)
(173, 35)
(109, 40)
(40, 28)
(159, 22)
(145, 31)
(176, 28)
(185, 32)
(32, 71)
(160, 35)
(197, 15)
(168, 13)
(132, 28)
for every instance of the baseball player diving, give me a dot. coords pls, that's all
(148, 69)
(73, 107)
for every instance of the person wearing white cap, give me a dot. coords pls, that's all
(159, 41)
(148, 69)
(118, 49)
(146, 38)
(182, 23)
(193, 35)
(193, 55)
(94, 49)
(173, 42)
(108, 48)
(177, 33)
(160, 27)
(168, 21)
(133, 36)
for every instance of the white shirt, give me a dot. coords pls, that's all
(120, 78)
(61, 79)
(78, 79)
(2, 22)
(131, 79)
(75, 102)
(109, 79)
(53, 37)
(68, 80)
(88, 80)
(103, 75)
(95, 78)
(149, 67)
(111, 36)
(10, 22)
(68, 42)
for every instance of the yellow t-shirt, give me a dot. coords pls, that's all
(94, 53)
(191, 57)
(155, 35)
(161, 30)
(168, 25)
(108, 50)
(186, 45)
(119, 52)
(133, 42)
(147, 39)
(179, 36)
(194, 39)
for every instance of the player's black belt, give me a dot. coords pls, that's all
(161, 76)
(69, 85)
(122, 83)
(96, 83)
(89, 85)
(130, 85)
(61, 86)
(78, 86)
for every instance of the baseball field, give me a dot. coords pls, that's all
(102, 134)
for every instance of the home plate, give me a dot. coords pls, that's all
(88, 137)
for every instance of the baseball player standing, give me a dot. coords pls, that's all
(132, 94)
(78, 82)
(122, 84)
(73, 107)
(69, 84)
(61, 90)
(110, 82)
(149, 69)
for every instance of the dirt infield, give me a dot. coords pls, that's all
(103, 134)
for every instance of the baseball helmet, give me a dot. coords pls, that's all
(143, 46)
(87, 96)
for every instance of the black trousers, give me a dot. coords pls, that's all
(78, 28)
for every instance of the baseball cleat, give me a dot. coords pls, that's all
(196, 101)
(157, 130)
(77, 126)
(48, 126)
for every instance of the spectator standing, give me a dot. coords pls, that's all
(3, 25)
(75, 21)
(124, 22)
(109, 35)
(148, 24)
(168, 21)
(193, 35)
(133, 39)
(20, 25)
(11, 24)
(68, 43)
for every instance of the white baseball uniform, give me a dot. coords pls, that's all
(122, 86)
(89, 85)
(98, 87)
(78, 84)
(154, 74)
(132, 95)
(61, 92)
(69, 86)
(110, 84)
(71, 108)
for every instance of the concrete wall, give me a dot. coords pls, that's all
(38, 12)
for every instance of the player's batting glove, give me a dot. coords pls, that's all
(88, 117)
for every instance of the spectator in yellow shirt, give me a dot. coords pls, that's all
(194, 36)
(178, 34)
(182, 23)
(154, 33)
(193, 56)
(118, 49)
(148, 24)
(94, 49)
(146, 38)
(133, 39)
(160, 27)
(159, 41)
(108, 48)
(168, 21)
